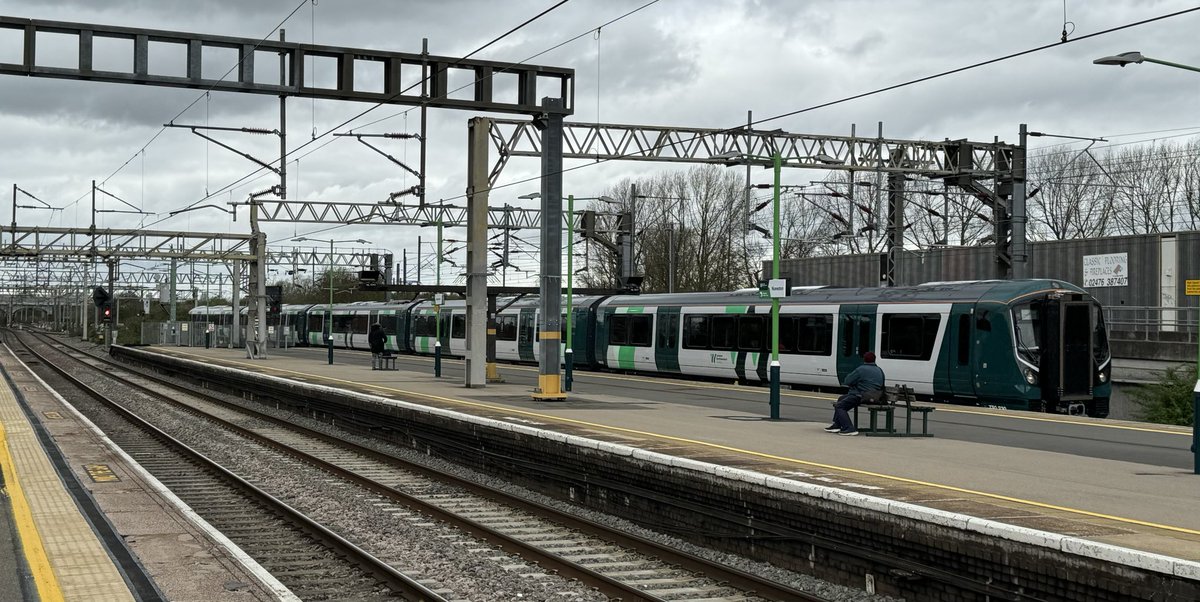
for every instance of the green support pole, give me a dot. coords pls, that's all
(329, 314)
(777, 161)
(570, 355)
(437, 311)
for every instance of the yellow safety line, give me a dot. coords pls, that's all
(511, 410)
(31, 541)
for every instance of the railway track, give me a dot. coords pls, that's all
(313, 562)
(617, 565)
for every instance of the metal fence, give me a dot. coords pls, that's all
(198, 334)
(1173, 324)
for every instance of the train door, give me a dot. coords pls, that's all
(526, 325)
(960, 354)
(444, 325)
(856, 336)
(666, 340)
(1065, 350)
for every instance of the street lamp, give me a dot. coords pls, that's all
(1126, 58)
(329, 275)
(1136, 57)
(774, 286)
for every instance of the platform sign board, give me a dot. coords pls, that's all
(777, 287)
(1106, 270)
(1191, 287)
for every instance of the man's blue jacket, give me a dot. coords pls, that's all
(865, 378)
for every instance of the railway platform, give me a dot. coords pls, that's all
(1141, 506)
(85, 523)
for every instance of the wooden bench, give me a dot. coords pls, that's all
(899, 396)
(383, 361)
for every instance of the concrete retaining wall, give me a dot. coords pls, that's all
(841, 536)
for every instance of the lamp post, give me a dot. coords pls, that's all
(329, 276)
(1121, 60)
(775, 286)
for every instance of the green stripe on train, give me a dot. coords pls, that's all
(736, 309)
(625, 357)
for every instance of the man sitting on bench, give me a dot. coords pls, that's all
(866, 385)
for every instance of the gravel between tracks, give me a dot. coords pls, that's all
(423, 543)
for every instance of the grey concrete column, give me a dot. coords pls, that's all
(235, 337)
(550, 319)
(477, 222)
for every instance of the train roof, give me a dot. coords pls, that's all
(1001, 291)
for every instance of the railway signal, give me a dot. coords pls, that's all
(100, 297)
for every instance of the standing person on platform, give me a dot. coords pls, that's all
(378, 341)
(865, 383)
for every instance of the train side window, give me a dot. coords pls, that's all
(506, 328)
(787, 334)
(342, 323)
(458, 327)
(964, 340)
(695, 332)
(423, 326)
(641, 330)
(847, 335)
(389, 324)
(668, 331)
(618, 329)
(723, 334)
(864, 335)
(909, 336)
(360, 324)
(815, 334)
(526, 331)
(316, 322)
(750, 333)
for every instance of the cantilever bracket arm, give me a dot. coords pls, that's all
(388, 157)
(237, 152)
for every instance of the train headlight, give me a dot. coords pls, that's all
(1103, 378)
(1030, 376)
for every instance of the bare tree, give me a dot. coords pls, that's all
(1074, 196)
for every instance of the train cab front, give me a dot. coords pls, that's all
(1062, 349)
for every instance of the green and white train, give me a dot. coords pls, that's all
(1021, 344)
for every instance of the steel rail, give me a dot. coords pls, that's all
(737, 578)
(394, 579)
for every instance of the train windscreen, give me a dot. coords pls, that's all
(1026, 322)
(1099, 336)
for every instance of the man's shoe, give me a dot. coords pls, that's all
(833, 428)
(848, 433)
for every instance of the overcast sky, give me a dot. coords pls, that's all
(699, 63)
